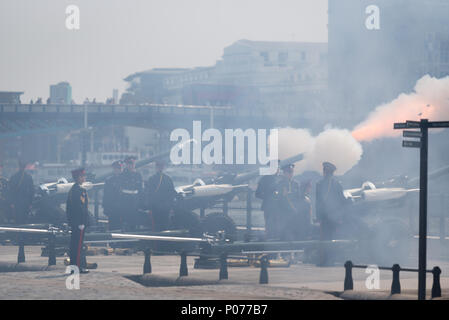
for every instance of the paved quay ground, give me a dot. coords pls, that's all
(113, 280)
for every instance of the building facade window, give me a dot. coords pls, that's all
(266, 58)
(282, 58)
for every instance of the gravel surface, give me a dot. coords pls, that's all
(113, 280)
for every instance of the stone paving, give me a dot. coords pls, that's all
(112, 280)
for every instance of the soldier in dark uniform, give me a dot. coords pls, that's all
(78, 218)
(3, 191)
(266, 189)
(288, 199)
(20, 194)
(161, 194)
(131, 194)
(330, 202)
(305, 210)
(112, 203)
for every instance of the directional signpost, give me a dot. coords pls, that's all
(424, 126)
(411, 134)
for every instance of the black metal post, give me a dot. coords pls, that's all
(423, 211)
(183, 268)
(51, 250)
(97, 206)
(223, 266)
(147, 263)
(396, 285)
(225, 207)
(263, 279)
(442, 220)
(436, 288)
(21, 254)
(349, 284)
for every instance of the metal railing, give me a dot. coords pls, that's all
(395, 285)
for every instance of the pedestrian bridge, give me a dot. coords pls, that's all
(22, 119)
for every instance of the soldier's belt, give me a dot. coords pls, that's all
(130, 191)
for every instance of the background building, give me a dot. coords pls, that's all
(148, 86)
(269, 76)
(10, 97)
(61, 93)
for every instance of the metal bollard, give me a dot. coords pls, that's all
(263, 279)
(51, 250)
(183, 268)
(21, 254)
(147, 263)
(436, 289)
(223, 266)
(349, 284)
(396, 285)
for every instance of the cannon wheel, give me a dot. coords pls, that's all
(218, 221)
(185, 219)
(48, 213)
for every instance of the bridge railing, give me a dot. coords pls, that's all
(117, 108)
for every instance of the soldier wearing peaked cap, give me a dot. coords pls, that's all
(330, 201)
(266, 189)
(161, 194)
(112, 203)
(20, 194)
(288, 193)
(329, 167)
(78, 218)
(131, 193)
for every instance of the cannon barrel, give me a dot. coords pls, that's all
(245, 177)
(432, 175)
(144, 162)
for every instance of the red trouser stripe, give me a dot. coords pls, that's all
(78, 256)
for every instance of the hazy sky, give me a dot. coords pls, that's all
(120, 37)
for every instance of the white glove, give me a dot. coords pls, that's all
(81, 227)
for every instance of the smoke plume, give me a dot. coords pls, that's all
(430, 100)
(334, 145)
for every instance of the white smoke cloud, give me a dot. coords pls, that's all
(334, 145)
(430, 100)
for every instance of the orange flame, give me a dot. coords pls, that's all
(380, 122)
